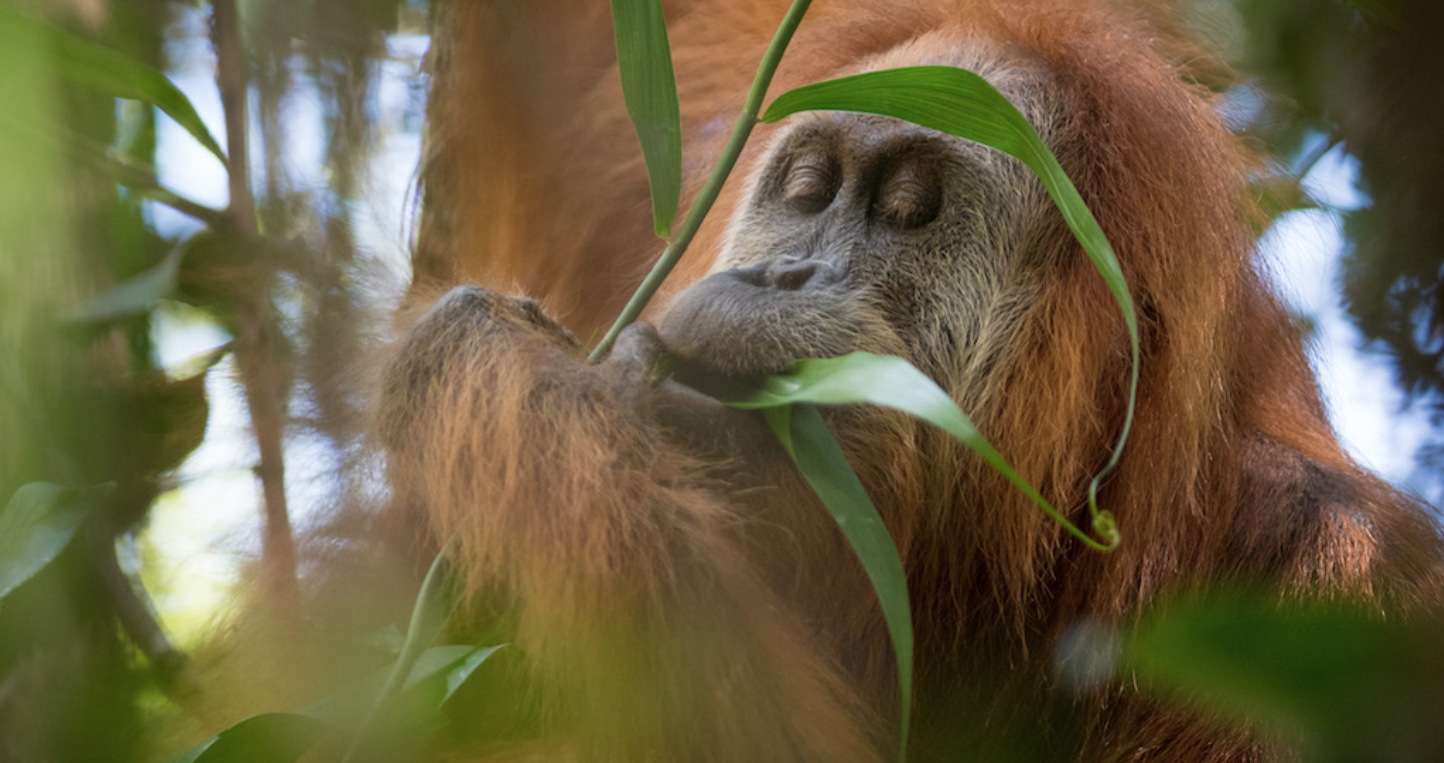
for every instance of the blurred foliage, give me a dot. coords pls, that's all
(85, 267)
(79, 403)
(1338, 681)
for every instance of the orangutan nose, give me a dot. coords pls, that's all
(790, 274)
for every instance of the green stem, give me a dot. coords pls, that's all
(710, 191)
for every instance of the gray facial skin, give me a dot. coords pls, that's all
(861, 232)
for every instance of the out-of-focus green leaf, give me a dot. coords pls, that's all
(379, 716)
(113, 73)
(37, 524)
(448, 666)
(458, 675)
(135, 295)
(891, 382)
(389, 639)
(1354, 685)
(434, 660)
(961, 103)
(428, 618)
(267, 738)
(645, 61)
(805, 436)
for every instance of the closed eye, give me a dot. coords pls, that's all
(811, 183)
(910, 197)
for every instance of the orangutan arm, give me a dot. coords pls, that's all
(650, 630)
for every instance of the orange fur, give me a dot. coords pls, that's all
(685, 605)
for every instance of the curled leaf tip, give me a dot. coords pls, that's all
(1106, 528)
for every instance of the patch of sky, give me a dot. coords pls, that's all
(1301, 254)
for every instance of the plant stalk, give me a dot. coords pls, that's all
(679, 243)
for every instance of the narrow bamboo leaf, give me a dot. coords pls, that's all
(447, 666)
(645, 60)
(134, 295)
(707, 195)
(268, 738)
(463, 669)
(114, 73)
(805, 436)
(428, 618)
(37, 524)
(894, 383)
(388, 639)
(434, 661)
(962, 103)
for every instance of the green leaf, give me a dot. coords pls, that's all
(894, 383)
(37, 524)
(1354, 685)
(805, 436)
(458, 675)
(961, 103)
(428, 618)
(446, 666)
(267, 738)
(702, 204)
(435, 660)
(134, 295)
(114, 73)
(389, 639)
(645, 61)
